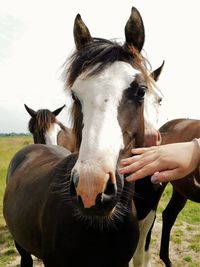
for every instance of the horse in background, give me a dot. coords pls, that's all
(87, 206)
(147, 195)
(46, 129)
(188, 187)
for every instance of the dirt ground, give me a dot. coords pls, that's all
(180, 253)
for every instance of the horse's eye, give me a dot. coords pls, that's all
(141, 91)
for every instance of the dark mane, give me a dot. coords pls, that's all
(101, 52)
(41, 121)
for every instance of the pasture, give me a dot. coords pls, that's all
(185, 237)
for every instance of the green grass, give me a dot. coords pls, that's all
(190, 215)
(8, 147)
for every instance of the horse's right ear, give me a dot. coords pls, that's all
(81, 33)
(57, 111)
(30, 111)
(156, 73)
(134, 30)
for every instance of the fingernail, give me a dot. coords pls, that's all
(121, 171)
(154, 179)
(128, 179)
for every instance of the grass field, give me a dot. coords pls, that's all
(8, 147)
(185, 238)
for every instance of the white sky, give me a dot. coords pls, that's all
(36, 37)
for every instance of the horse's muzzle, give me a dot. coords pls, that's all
(105, 201)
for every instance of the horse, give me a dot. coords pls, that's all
(81, 205)
(188, 187)
(152, 102)
(46, 129)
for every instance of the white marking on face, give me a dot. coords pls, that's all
(100, 96)
(52, 134)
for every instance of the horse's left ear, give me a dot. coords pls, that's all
(57, 111)
(30, 111)
(156, 73)
(134, 30)
(81, 32)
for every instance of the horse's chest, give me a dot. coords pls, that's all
(76, 243)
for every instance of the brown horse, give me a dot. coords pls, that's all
(59, 205)
(46, 129)
(147, 195)
(179, 130)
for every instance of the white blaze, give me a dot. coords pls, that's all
(52, 134)
(100, 96)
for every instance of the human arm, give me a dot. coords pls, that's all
(164, 163)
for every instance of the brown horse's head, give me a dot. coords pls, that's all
(44, 125)
(108, 82)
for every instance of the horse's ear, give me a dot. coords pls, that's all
(30, 111)
(81, 32)
(134, 30)
(156, 73)
(57, 111)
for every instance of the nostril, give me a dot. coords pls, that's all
(108, 197)
(110, 188)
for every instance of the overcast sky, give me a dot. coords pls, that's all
(36, 37)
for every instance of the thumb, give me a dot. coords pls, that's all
(163, 176)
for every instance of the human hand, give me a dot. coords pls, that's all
(164, 163)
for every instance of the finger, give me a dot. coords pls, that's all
(145, 163)
(142, 150)
(135, 165)
(164, 176)
(146, 170)
(138, 151)
(129, 161)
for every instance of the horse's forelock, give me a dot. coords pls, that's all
(101, 53)
(44, 119)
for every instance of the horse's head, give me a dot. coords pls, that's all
(44, 125)
(108, 82)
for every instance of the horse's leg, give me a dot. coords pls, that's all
(147, 255)
(141, 257)
(26, 259)
(175, 205)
